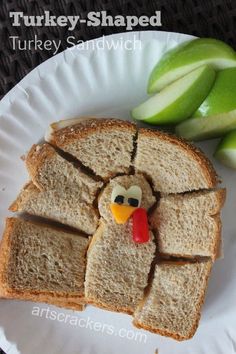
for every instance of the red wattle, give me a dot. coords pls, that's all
(140, 226)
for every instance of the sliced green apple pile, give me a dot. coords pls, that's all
(217, 114)
(194, 86)
(226, 150)
(189, 56)
(179, 100)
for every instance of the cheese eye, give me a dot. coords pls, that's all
(134, 196)
(118, 194)
(133, 202)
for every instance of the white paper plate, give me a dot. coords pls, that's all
(104, 83)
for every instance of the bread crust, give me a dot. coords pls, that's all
(56, 300)
(218, 236)
(36, 157)
(16, 204)
(221, 196)
(221, 200)
(96, 303)
(86, 127)
(194, 152)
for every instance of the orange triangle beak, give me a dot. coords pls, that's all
(121, 213)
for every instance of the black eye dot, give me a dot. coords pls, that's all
(133, 202)
(119, 199)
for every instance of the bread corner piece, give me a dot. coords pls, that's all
(103, 145)
(42, 264)
(172, 307)
(189, 224)
(172, 164)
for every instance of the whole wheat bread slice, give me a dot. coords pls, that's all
(61, 191)
(103, 145)
(43, 264)
(173, 165)
(117, 268)
(189, 225)
(54, 206)
(172, 307)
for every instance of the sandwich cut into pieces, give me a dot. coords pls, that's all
(58, 191)
(189, 225)
(96, 175)
(103, 145)
(172, 306)
(173, 165)
(43, 264)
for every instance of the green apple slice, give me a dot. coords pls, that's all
(222, 97)
(177, 101)
(187, 57)
(226, 150)
(207, 127)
